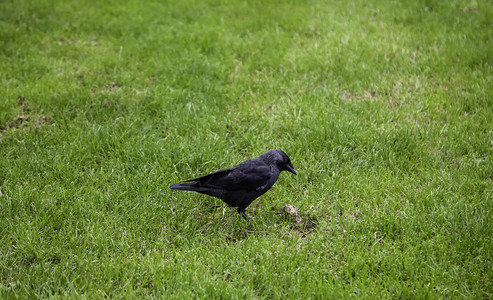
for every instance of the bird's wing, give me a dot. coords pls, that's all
(250, 175)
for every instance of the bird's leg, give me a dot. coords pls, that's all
(243, 214)
(241, 211)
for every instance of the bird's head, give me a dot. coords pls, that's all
(282, 160)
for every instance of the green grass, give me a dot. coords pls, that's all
(385, 108)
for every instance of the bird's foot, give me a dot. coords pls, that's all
(243, 214)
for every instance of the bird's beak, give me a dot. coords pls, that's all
(291, 169)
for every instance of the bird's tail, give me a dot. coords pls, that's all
(195, 187)
(185, 186)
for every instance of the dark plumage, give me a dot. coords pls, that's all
(239, 186)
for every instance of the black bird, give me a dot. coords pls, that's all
(239, 186)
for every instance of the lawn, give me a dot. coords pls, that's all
(384, 107)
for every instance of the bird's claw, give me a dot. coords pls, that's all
(243, 214)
